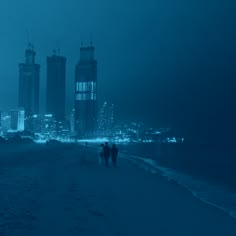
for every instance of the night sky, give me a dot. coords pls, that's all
(167, 63)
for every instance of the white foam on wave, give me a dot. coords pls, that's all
(214, 195)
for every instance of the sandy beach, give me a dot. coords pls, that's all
(61, 190)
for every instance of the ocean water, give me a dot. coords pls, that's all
(217, 195)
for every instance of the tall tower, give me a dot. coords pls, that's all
(29, 83)
(56, 86)
(86, 93)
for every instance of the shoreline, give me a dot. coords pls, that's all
(157, 171)
(126, 200)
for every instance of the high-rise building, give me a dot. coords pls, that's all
(86, 93)
(49, 126)
(5, 121)
(29, 83)
(72, 123)
(56, 86)
(13, 120)
(106, 119)
(17, 120)
(0, 119)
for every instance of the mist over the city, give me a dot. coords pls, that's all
(171, 59)
(117, 117)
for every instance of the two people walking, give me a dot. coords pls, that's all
(105, 152)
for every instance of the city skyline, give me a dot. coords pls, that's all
(174, 60)
(117, 117)
(52, 64)
(75, 22)
(85, 90)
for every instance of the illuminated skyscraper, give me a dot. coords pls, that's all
(29, 83)
(72, 123)
(17, 120)
(106, 119)
(13, 120)
(5, 121)
(56, 86)
(86, 93)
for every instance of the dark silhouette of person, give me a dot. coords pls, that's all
(114, 154)
(101, 154)
(106, 153)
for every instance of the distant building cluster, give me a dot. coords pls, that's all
(53, 124)
(12, 121)
(86, 121)
(105, 125)
(137, 132)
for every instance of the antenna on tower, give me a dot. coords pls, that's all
(30, 44)
(28, 38)
(58, 47)
(91, 39)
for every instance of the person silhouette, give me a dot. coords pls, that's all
(114, 154)
(106, 153)
(100, 154)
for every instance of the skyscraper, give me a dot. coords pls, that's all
(106, 119)
(86, 93)
(29, 83)
(56, 86)
(17, 120)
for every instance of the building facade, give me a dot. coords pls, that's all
(17, 120)
(5, 121)
(13, 120)
(56, 86)
(86, 93)
(29, 74)
(106, 120)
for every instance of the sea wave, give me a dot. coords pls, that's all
(215, 195)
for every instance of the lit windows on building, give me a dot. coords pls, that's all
(21, 120)
(86, 87)
(86, 96)
(86, 91)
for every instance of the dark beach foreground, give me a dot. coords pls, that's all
(61, 190)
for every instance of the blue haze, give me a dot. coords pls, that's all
(174, 59)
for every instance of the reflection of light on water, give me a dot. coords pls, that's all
(121, 140)
(40, 141)
(172, 140)
(148, 141)
(95, 140)
(103, 140)
(43, 138)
